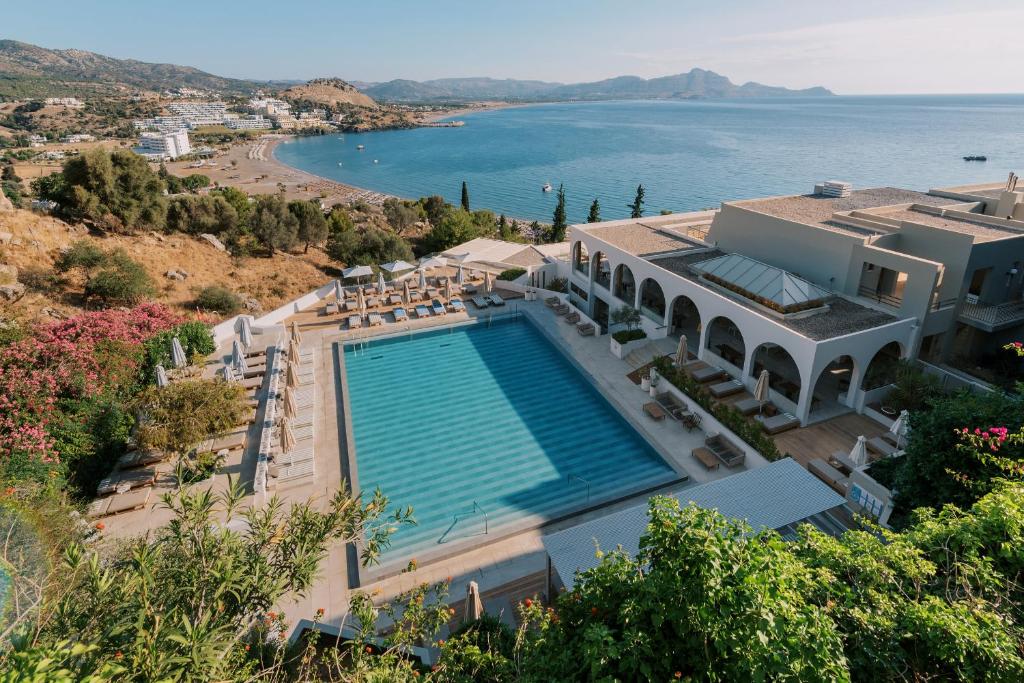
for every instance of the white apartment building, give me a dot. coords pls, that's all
(248, 123)
(823, 292)
(199, 113)
(269, 106)
(72, 102)
(164, 124)
(160, 146)
(78, 137)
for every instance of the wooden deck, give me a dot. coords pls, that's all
(822, 439)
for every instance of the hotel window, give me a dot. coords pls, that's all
(580, 293)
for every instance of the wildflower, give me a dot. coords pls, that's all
(678, 674)
(118, 655)
(319, 612)
(451, 611)
(99, 526)
(440, 643)
(369, 650)
(593, 610)
(528, 602)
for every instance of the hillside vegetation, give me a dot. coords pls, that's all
(331, 92)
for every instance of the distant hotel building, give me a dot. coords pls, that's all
(160, 146)
(248, 123)
(72, 102)
(199, 113)
(826, 291)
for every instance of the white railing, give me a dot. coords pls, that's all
(276, 370)
(994, 314)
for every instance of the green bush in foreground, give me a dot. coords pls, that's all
(122, 282)
(218, 298)
(511, 274)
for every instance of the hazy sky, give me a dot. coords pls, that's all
(865, 46)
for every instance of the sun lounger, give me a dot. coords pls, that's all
(655, 411)
(585, 329)
(457, 306)
(727, 388)
(725, 450)
(704, 375)
(140, 459)
(749, 406)
(572, 318)
(355, 322)
(252, 382)
(561, 309)
(395, 300)
(415, 295)
(480, 302)
(778, 423)
(830, 475)
(882, 447)
(294, 471)
(691, 421)
(438, 307)
(330, 309)
(495, 300)
(672, 405)
(552, 301)
(371, 302)
(125, 480)
(121, 502)
(706, 458)
(422, 311)
(229, 442)
(841, 461)
(373, 318)
(400, 314)
(469, 289)
(351, 305)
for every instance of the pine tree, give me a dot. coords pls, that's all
(637, 207)
(558, 224)
(465, 196)
(595, 212)
(503, 231)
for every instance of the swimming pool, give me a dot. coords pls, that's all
(485, 418)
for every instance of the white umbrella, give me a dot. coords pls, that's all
(459, 258)
(228, 375)
(487, 282)
(290, 407)
(357, 271)
(245, 335)
(293, 378)
(339, 291)
(361, 302)
(423, 281)
(474, 605)
(406, 296)
(287, 435)
(178, 354)
(161, 376)
(397, 266)
(899, 427)
(653, 376)
(380, 282)
(433, 262)
(859, 454)
(761, 389)
(448, 289)
(461, 277)
(681, 354)
(237, 357)
(296, 336)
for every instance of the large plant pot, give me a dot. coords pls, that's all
(620, 351)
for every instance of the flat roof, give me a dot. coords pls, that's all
(982, 232)
(769, 497)
(484, 250)
(817, 210)
(643, 239)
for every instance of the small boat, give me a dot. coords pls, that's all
(546, 188)
(339, 163)
(375, 161)
(360, 147)
(976, 157)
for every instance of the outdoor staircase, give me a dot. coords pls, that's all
(666, 346)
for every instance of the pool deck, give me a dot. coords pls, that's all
(503, 563)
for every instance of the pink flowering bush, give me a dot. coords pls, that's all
(54, 375)
(987, 444)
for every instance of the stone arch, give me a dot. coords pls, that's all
(881, 369)
(580, 258)
(684, 319)
(624, 284)
(725, 340)
(783, 372)
(834, 383)
(652, 300)
(600, 270)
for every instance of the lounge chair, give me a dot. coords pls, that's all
(457, 306)
(672, 405)
(134, 459)
(704, 375)
(552, 301)
(496, 300)
(438, 307)
(655, 411)
(691, 421)
(127, 480)
(230, 442)
(121, 502)
(422, 311)
(830, 475)
(480, 302)
(561, 309)
(400, 314)
(572, 318)
(395, 300)
(351, 305)
(252, 382)
(727, 388)
(841, 461)
(331, 309)
(468, 289)
(778, 423)
(725, 450)
(882, 447)
(371, 302)
(585, 329)
(749, 406)
(706, 457)
(374, 318)
(355, 322)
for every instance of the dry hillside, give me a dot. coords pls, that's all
(331, 92)
(32, 242)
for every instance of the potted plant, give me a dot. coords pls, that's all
(625, 340)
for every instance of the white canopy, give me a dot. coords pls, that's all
(859, 454)
(357, 271)
(433, 262)
(396, 266)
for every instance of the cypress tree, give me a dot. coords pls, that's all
(558, 224)
(595, 212)
(637, 207)
(465, 196)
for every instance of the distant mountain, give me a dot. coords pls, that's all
(696, 83)
(330, 92)
(31, 71)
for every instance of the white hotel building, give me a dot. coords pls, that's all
(823, 292)
(160, 146)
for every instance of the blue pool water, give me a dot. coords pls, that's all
(688, 154)
(491, 414)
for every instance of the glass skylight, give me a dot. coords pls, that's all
(762, 281)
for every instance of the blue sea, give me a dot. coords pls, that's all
(689, 155)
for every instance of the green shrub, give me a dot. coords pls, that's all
(559, 284)
(626, 336)
(82, 254)
(122, 282)
(511, 274)
(750, 431)
(219, 299)
(195, 338)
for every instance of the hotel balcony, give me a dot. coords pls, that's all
(992, 317)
